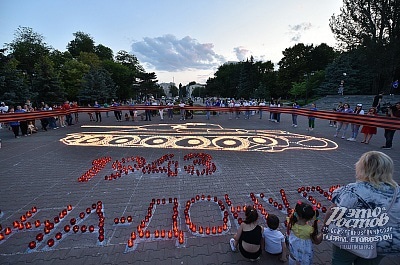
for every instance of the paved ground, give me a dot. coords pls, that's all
(41, 171)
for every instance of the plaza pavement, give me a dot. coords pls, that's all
(41, 171)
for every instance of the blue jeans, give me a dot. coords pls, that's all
(343, 257)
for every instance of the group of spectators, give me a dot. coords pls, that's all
(367, 131)
(29, 127)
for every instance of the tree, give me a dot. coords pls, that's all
(13, 85)
(373, 25)
(293, 65)
(104, 53)
(90, 59)
(147, 84)
(97, 85)
(129, 60)
(27, 48)
(124, 78)
(353, 69)
(82, 43)
(46, 83)
(72, 74)
(173, 90)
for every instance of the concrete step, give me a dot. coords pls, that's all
(331, 101)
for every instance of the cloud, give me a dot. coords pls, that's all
(167, 53)
(297, 30)
(241, 53)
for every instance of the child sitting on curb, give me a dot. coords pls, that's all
(274, 240)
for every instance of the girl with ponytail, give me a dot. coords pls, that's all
(301, 235)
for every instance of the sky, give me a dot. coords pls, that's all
(180, 40)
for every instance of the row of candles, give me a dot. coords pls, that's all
(139, 163)
(98, 165)
(23, 222)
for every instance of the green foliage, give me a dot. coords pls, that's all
(46, 83)
(173, 90)
(97, 86)
(103, 52)
(247, 79)
(13, 86)
(72, 73)
(372, 26)
(82, 43)
(27, 48)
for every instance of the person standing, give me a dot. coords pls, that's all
(294, 115)
(356, 127)
(74, 107)
(311, 119)
(272, 114)
(98, 113)
(161, 110)
(170, 109)
(377, 102)
(208, 104)
(68, 116)
(278, 114)
(117, 113)
(261, 105)
(341, 124)
(3, 109)
(231, 104)
(393, 112)
(302, 231)
(369, 131)
(132, 111)
(105, 105)
(147, 112)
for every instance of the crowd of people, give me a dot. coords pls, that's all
(175, 108)
(29, 126)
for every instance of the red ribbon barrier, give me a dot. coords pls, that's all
(374, 121)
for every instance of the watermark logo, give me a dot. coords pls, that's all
(359, 228)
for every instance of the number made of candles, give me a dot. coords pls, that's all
(71, 226)
(201, 160)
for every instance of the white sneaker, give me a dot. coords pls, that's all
(232, 244)
(353, 139)
(295, 126)
(350, 139)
